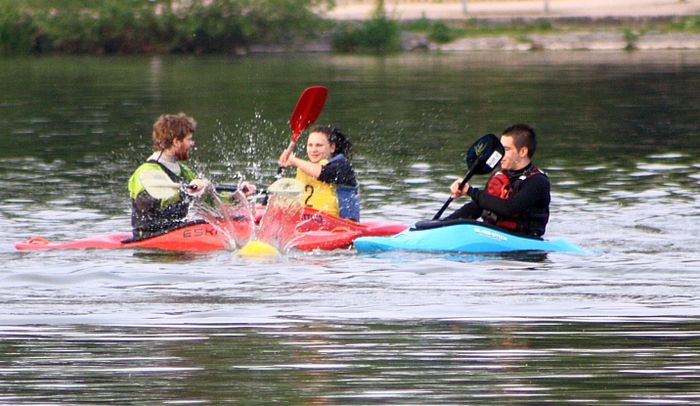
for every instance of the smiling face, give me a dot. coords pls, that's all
(514, 159)
(318, 147)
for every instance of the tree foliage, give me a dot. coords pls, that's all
(136, 26)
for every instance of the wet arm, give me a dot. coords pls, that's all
(307, 167)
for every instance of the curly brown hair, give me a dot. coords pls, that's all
(169, 127)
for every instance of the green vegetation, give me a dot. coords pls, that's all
(442, 32)
(378, 34)
(437, 31)
(234, 26)
(138, 26)
(631, 37)
(16, 30)
(687, 24)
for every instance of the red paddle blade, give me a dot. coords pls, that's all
(307, 110)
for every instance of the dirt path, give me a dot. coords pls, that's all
(405, 10)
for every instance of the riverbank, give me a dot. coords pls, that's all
(524, 25)
(230, 27)
(584, 34)
(623, 37)
(507, 10)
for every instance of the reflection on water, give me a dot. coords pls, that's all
(618, 139)
(445, 362)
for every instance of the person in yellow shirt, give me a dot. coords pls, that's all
(328, 175)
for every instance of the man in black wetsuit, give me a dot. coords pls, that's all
(517, 197)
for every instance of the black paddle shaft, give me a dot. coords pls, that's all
(225, 188)
(464, 181)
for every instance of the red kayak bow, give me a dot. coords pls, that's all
(318, 230)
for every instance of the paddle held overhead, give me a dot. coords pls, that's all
(306, 111)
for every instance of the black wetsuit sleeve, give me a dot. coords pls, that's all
(469, 211)
(339, 172)
(145, 202)
(534, 192)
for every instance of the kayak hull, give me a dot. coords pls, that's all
(462, 237)
(314, 220)
(191, 237)
(318, 231)
(103, 241)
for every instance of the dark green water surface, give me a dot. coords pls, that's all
(619, 137)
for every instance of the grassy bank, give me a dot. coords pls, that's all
(234, 26)
(443, 32)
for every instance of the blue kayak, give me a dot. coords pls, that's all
(461, 236)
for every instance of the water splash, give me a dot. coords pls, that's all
(278, 225)
(231, 216)
(237, 221)
(247, 149)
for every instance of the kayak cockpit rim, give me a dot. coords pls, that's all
(431, 224)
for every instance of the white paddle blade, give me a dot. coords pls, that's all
(494, 159)
(286, 187)
(159, 185)
(283, 213)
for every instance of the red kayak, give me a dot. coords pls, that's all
(317, 231)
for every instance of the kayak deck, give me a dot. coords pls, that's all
(463, 236)
(317, 231)
(195, 236)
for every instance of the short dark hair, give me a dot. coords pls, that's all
(523, 136)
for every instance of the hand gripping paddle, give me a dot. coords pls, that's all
(482, 158)
(159, 185)
(306, 111)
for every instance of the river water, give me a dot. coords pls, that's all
(619, 137)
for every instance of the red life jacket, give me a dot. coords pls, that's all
(499, 185)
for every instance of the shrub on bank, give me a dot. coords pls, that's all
(690, 23)
(436, 31)
(221, 26)
(108, 26)
(378, 34)
(138, 26)
(17, 30)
